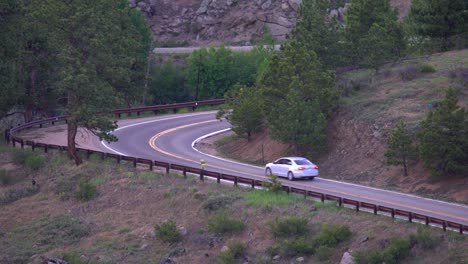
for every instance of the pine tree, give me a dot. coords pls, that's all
(319, 33)
(444, 138)
(399, 148)
(96, 45)
(440, 20)
(366, 21)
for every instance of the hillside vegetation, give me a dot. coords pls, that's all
(102, 212)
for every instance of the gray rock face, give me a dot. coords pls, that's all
(203, 7)
(347, 258)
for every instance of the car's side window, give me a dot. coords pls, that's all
(282, 161)
(288, 162)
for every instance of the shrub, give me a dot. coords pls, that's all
(221, 223)
(367, 257)
(5, 177)
(409, 73)
(398, 250)
(35, 162)
(168, 232)
(426, 68)
(298, 246)
(459, 76)
(424, 238)
(331, 235)
(65, 187)
(217, 202)
(20, 156)
(86, 191)
(15, 195)
(323, 252)
(236, 251)
(273, 184)
(291, 226)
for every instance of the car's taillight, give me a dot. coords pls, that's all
(316, 167)
(301, 168)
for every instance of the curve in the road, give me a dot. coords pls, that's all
(173, 138)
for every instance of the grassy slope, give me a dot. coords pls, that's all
(118, 225)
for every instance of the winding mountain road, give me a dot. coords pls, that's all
(172, 139)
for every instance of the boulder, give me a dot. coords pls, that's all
(203, 7)
(347, 258)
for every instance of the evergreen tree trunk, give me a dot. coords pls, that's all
(72, 128)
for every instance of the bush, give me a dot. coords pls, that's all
(298, 246)
(426, 68)
(15, 195)
(168, 232)
(5, 177)
(291, 226)
(273, 184)
(424, 238)
(409, 73)
(35, 162)
(323, 252)
(367, 257)
(331, 235)
(221, 223)
(236, 251)
(86, 191)
(215, 203)
(398, 250)
(20, 156)
(459, 76)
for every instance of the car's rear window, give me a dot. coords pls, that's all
(302, 162)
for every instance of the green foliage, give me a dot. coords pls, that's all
(246, 116)
(263, 198)
(398, 250)
(319, 34)
(214, 203)
(331, 235)
(426, 68)
(399, 148)
(34, 163)
(273, 184)
(394, 253)
(11, 43)
(425, 238)
(409, 72)
(168, 232)
(236, 250)
(372, 33)
(443, 138)
(300, 123)
(222, 223)
(16, 194)
(168, 84)
(439, 20)
(86, 191)
(297, 246)
(5, 177)
(323, 252)
(290, 226)
(20, 156)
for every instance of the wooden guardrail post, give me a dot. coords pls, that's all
(151, 164)
(22, 143)
(393, 213)
(444, 225)
(184, 172)
(357, 206)
(235, 181)
(134, 162)
(410, 217)
(33, 146)
(375, 209)
(46, 148)
(428, 219)
(322, 197)
(201, 175)
(167, 168)
(253, 183)
(7, 135)
(340, 201)
(218, 178)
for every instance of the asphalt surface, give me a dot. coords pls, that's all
(170, 139)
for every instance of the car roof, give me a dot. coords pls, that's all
(293, 157)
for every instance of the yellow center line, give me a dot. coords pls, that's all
(152, 143)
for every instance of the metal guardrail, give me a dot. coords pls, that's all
(358, 205)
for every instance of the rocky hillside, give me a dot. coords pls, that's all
(238, 22)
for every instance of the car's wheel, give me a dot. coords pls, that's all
(312, 178)
(268, 172)
(290, 176)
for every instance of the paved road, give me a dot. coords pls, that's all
(170, 139)
(191, 49)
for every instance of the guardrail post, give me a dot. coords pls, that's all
(322, 197)
(253, 184)
(33, 146)
(235, 181)
(340, 201)
(461, 229)
(46, 148)
(7, 135)
(134, 162)
(428, 219)
(218, 178)
(444, 225)
(88, 154)
(167, 168)
(410, 217)
(151, 164)
(357, 206)
(201, 175)
(375, 209)
(22, 143)
(184, 172)
(393, 213)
